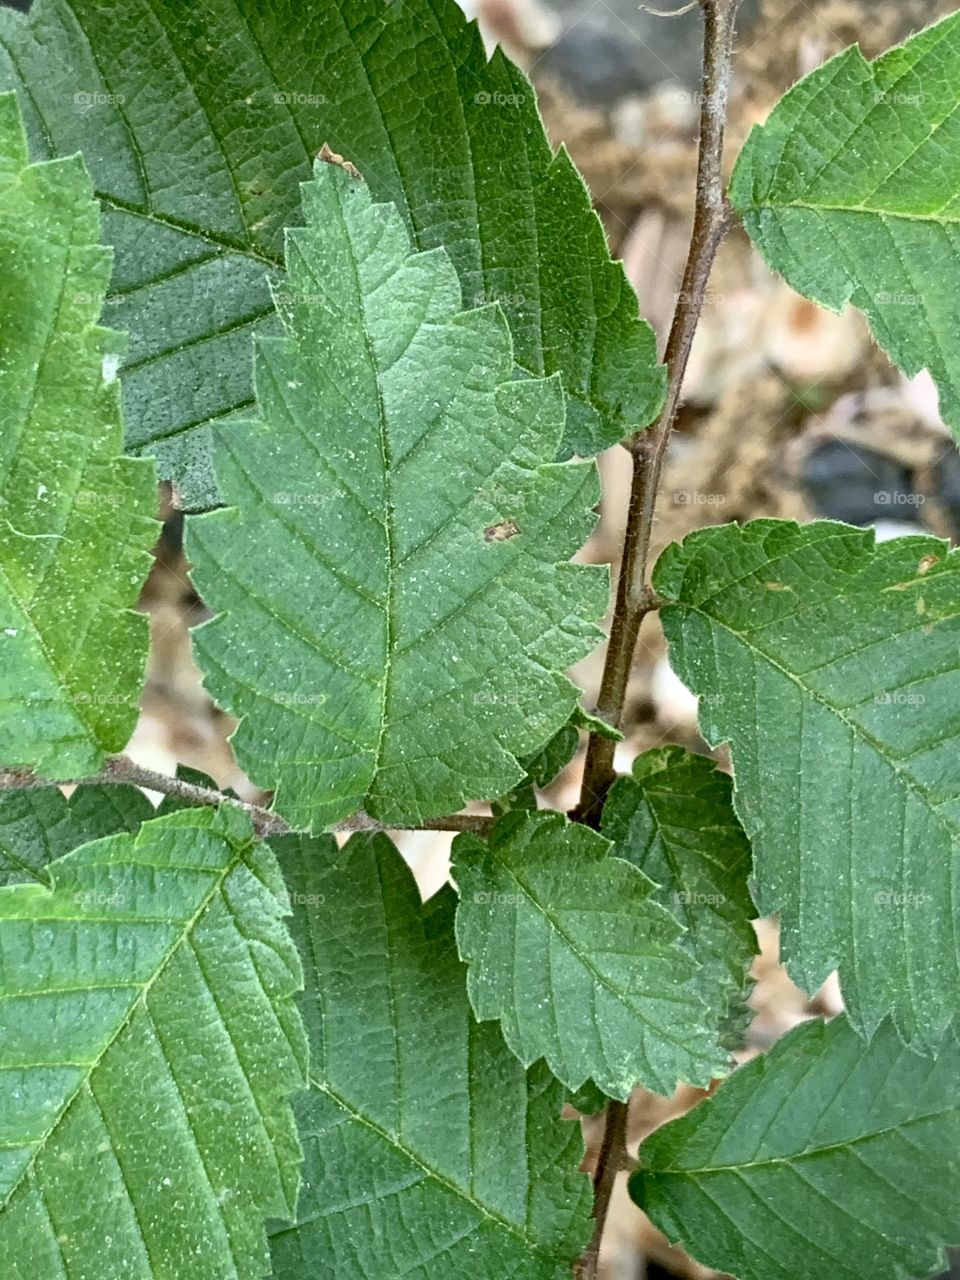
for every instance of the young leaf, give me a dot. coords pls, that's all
(397, 613)
(149, 1045)
(827, 1156)
(851, 190)
(199, 133)
(674, 820)
(832, 667)
(75, 517)
(40, 824)
(568, 949)
(430, 1152)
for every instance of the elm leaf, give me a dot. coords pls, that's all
(831, 665)
(851, 190)
(398, 643)
(567, 948)
(149, 1048)
(200, 127)
(430, 1151)
(75, 514)
(825, 1156)
(674, 819)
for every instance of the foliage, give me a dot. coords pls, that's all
(808, 1158)
(149, 1047)
(862, 160)
(423, 1157)
(74, 514)
(435, 342)
(199, 129)
(832, 667)
(409, 641)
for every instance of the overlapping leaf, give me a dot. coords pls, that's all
(832, 666)
(430, 1152)
(825, 1157)
(851, 190)
(41, 824)
(674, 819)
(198, 130)
(398, 640)
(74, 517)
(567, 947)
(148, 1047)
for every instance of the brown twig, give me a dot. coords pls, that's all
(121, 769)
(635, 597)
(612, 1158)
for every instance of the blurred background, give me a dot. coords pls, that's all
(788, 411)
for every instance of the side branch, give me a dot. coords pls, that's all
(120, 769)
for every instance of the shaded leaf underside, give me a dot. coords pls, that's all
(430, 1152)
(825, 1156)
(832, 667)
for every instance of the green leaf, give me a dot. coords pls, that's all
(832, 667)
(399, 639)
(148, 1045)
(540, 770)
(593, 724)
(568, 949)
(75, 517)
(199, 130)
(457, 143)
(827, 1156)
(430, 1152)
(674, 820)
(851, 190)
(41, 824)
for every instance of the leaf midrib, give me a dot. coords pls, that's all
(812, 1153)
(443, 1180)
(858, 731)
(759, 206)
(636, 1004)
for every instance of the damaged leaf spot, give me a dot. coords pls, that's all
(501, 532)
(329, 156)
